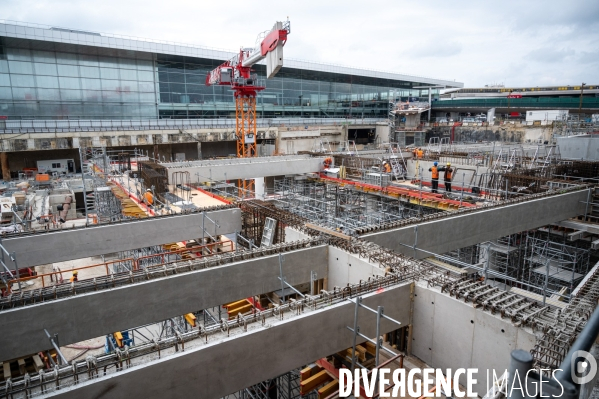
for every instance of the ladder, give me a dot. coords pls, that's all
(350, 147)
(400, 170)
(268, 234)
(325, 146)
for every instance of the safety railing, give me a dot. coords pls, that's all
(107, 268)
(81, 125)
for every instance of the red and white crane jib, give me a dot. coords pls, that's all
(270, 47)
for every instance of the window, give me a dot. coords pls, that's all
(45, 69)
(68, 70)
(20, 67)
(55, 165)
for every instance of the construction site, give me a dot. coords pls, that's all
(129, 270)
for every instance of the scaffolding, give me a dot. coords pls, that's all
(341, 208)
(552, 266)
(285, 386)
(534, 260)
(505, 256)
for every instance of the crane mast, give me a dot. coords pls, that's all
(238, 74)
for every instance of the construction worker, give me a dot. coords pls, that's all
(434, 177)
(420, 153)
(74, 277)
(148, 197)
(447, 176)
(386, 167)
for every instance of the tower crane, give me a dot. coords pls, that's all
(238, 74)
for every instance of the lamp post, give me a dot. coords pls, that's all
(580, 105)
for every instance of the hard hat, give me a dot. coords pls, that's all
(149, 190)
(75, 273)
(435, 163)
(448, 164)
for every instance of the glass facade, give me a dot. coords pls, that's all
(293, 92)
(45, 80)
(82, 84)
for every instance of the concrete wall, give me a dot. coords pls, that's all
(462, 173)
(347, 268)
(291, 140)
(220, 368)
(579, 147)
(58, 246)
(449, 333)
(218, 149)
(471, 132)
(94, 314)
(443, 235)
(292, 234)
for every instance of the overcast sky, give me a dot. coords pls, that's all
(521, 42)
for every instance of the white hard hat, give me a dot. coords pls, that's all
(148, 189)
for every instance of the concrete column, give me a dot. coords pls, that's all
(4, 164)
(429, 103)
(412, 120)
(259, 187)
(199, 150)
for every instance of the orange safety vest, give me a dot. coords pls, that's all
(149, 198)
(387, 168)
(448, 174)
(420, 154)
(435, 171)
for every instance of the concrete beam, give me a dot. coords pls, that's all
(444, 235)
(578, 225)
(91, 315)
(245, 168)
(216, 369)
(58, 246)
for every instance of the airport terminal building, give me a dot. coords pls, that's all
(56, 73)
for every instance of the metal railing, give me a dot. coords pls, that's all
(98, 125)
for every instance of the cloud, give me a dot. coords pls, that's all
(550, 55)
(436, 48)
(589, 57)
(473, 42)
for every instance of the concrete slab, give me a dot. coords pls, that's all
(215, 370)
(91, 315)
(444, 235)
(58, 246)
